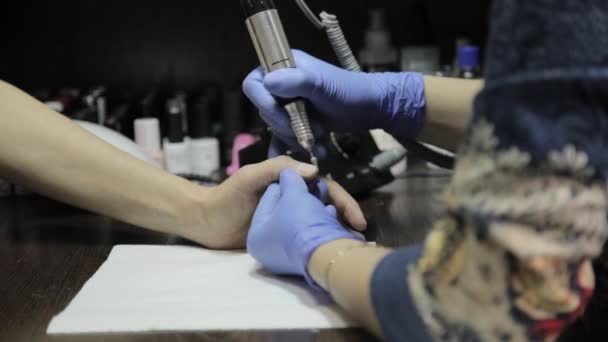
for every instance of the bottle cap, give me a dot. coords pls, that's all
(378, 48)
(199, 117)
(377, 20)
(176, 122)
(468, 56)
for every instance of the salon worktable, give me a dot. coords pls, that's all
(48, 251)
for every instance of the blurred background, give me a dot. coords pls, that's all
(135, 44)
(112, 63)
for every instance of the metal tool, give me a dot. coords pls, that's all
(274, 52)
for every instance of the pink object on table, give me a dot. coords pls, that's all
(240, 142)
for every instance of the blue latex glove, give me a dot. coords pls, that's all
(290, 224)
(346, 101)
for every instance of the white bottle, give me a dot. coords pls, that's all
(177, 157)
(205, 156)
(147, 136)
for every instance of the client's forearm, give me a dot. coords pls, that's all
(50, 154)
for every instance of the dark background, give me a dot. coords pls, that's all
(136, 44)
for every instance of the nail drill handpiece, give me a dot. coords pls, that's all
(274, 52)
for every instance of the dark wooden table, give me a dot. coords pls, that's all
(49, 250)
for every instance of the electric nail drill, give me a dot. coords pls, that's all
(274, 52)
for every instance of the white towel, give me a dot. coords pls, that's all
(171, 288)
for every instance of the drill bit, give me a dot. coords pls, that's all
(313, 160)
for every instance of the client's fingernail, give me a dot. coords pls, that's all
(359, 222)
(307, 169)
(363, 223)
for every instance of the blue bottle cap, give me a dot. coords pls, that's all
(468, 57)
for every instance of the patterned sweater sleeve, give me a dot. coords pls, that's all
(511, 259)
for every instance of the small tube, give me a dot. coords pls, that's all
(388, 159)
(339, 43)
(310, 15)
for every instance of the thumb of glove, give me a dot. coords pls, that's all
(290, 83)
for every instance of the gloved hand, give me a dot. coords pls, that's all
(345, 101)
(290, 224)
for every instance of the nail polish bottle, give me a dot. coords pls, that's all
(154, 104)
(96, 101)
(102, 110)
(177, 156)
(147, 136)
(233, 118)
(204, 149)
(118, 119)
(468, 59)
(240, 142)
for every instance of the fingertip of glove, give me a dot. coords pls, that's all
(248, 87)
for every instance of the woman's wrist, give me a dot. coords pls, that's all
(194, 208)
(345, 269)
(173, 208)
(325, 256)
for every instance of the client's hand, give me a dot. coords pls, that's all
(227, 209)
(290, 224)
